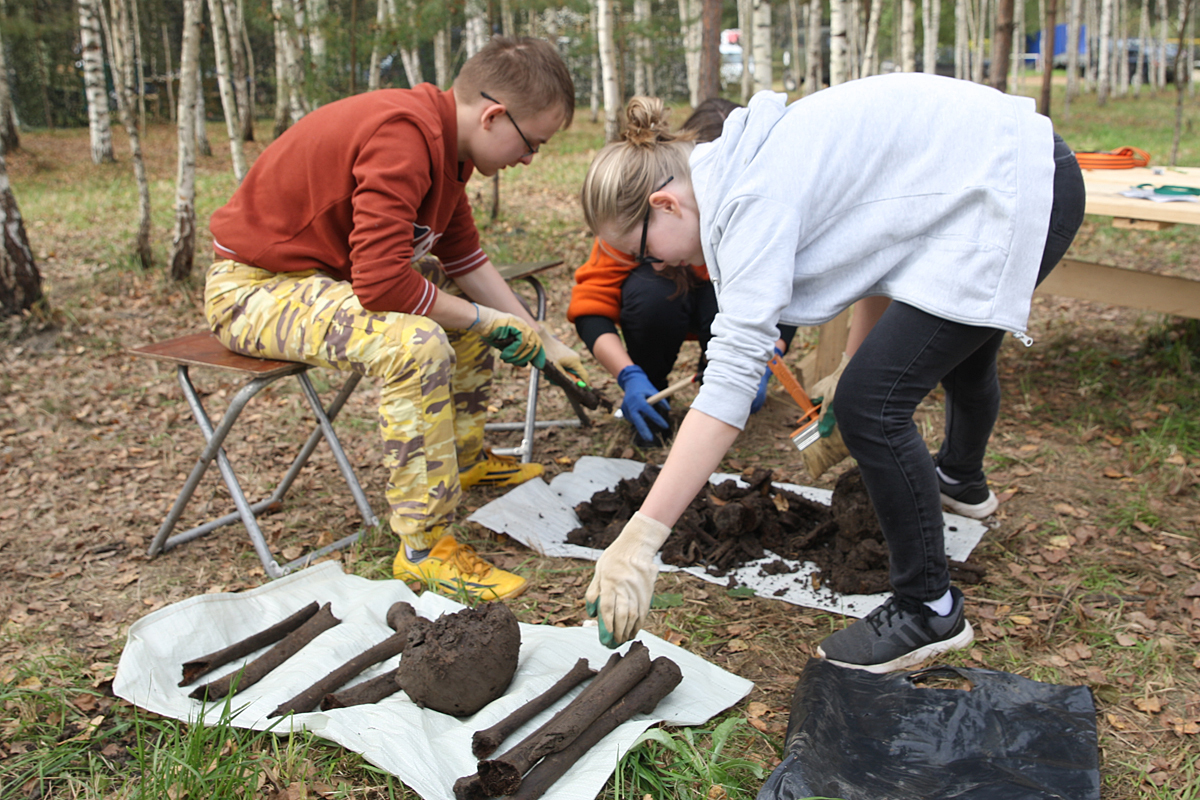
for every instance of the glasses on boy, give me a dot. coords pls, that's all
(532, 150)
(643, 257)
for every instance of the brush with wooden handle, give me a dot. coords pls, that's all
(663, 395)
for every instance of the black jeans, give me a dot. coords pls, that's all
(902, 360)
(655, 325)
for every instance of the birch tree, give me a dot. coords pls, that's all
(1104, 68)
(931, 13)
(441, 56)
(383, 25)
(813, 79)
(608, 70)
(203, 147)
(763, 72)
(10, 137)
(691, 29)
(239, 59)
(980, 16)
(1163, 25)
(216, 12)
(1143, 30)
(96, 87)
(962, 59)
(121, 51)
(183, 244)
(908, 48)
(871, 47)
(1074, 11)
(318, 49)
(170, 81)
(643, 69)
(1002, 44)
(290, 103)
(20, 281)
(1121, 10)
(746, 42)
(838, 68)
(1183, 74)
(476, 35)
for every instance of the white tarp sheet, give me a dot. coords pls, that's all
(425, 749)
(540, 515)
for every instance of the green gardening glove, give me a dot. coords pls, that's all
(515, 338)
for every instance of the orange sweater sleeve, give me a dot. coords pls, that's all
(597, 290)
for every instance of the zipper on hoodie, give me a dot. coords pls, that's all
(1023, 338)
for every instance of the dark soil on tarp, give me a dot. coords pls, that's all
(729, 525)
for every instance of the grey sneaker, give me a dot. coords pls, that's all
(974, 500)
(898, 634)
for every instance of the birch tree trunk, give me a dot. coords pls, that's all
(94, 82)
(838, 69)
(1163, 25)
(871, 48)
(508, 20)
(641, 46)
(709, 78)
(121, 50)
(928, 37)
(476, 35)
(216, 13)
(316, 13)
(251, 81)
(962, 59)
(980, 40)
(183, 244)
(1143, 30)
(1073, 13)
(1048, 65)
(410, 56)
(1104, 69)
(288, 45)
(763, 68)
(383, 26)
(203, 147)
(20, 281)
(282, 117)
(608, 70)
(1091, 15)
(794, 40)
(691, 24)
(234, 23)
(10, 137)
(814, 75)
(138, 61)
(908, 36)
(441, 56)
(1183, 73)
(594, 100)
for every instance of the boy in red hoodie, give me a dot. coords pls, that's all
(321, 258)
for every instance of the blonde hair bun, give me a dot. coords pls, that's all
(646, 123)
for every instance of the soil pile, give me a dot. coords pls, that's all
(461, 662)
(726, 525)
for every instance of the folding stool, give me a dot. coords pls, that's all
(203, 349)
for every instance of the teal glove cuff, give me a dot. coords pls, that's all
(827, 423)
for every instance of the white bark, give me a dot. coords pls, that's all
(317, 10)
(234, 23)
(814, 79)
(745, 10)
(1143, 41)
(287, 38)
(382, 27)
(476, 34)
(216, 13)
(763, 71)
(962, 59)
(1073, 21)
(838, 68)
(871, 48)
(981, 17)
(1120, 11)
(643, 64)
(1163, 31)
(94, 82)
(203, 147)
(794, 40)
(1104, 68)
(908, 36)
(441, 56)
(594, 100)
(251, 81)
(608, 70)
(183, 244)
(20, 281)
(1091, 15)
(931, 20)
(690, 28)
(10, 137)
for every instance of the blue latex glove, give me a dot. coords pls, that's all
(760, 397)
(640, 414)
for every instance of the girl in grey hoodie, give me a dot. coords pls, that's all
(951, 199)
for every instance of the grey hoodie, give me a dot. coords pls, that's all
(928, 190)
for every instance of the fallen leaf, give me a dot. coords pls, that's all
(1150, 705)
(1168, 569)
(1193, 590)
(737, 646)
(1125, 640)
(1116, 721)
(1021, 619)
(1109, 472)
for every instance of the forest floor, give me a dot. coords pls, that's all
(1093, 560)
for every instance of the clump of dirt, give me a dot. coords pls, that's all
(727, 525)
(461, 662)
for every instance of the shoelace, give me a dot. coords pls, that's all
(889, 609)
(469, 562)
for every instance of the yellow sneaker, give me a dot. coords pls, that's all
(452, 567)
(494, 470)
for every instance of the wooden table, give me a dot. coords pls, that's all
(1130, 287)
(1082, 279)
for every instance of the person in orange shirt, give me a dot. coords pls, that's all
(657, 309)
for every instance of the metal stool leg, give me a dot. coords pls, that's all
(531, 423)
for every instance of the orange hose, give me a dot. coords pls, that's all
(1121, 158)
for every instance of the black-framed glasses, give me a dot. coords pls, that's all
(642, 257)
(532, 150)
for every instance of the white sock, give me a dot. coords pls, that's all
(417, 556)
(946, 479)
(943, 605)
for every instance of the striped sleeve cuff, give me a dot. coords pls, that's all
(461, 266)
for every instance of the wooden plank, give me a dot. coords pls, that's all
(1141, 224)
(1109, 203)
(512, 271)
(204, 350)
(1124, 287)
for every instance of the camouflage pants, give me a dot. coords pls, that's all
(433, 382)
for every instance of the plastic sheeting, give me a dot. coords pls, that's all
(858, 736)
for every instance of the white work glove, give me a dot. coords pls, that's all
(515, 338)
(562, 356)
(623, 585)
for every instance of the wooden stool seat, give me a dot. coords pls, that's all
(204, 350)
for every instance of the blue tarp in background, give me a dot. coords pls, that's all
(1033, 42)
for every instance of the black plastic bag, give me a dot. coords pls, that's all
(858, 736)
